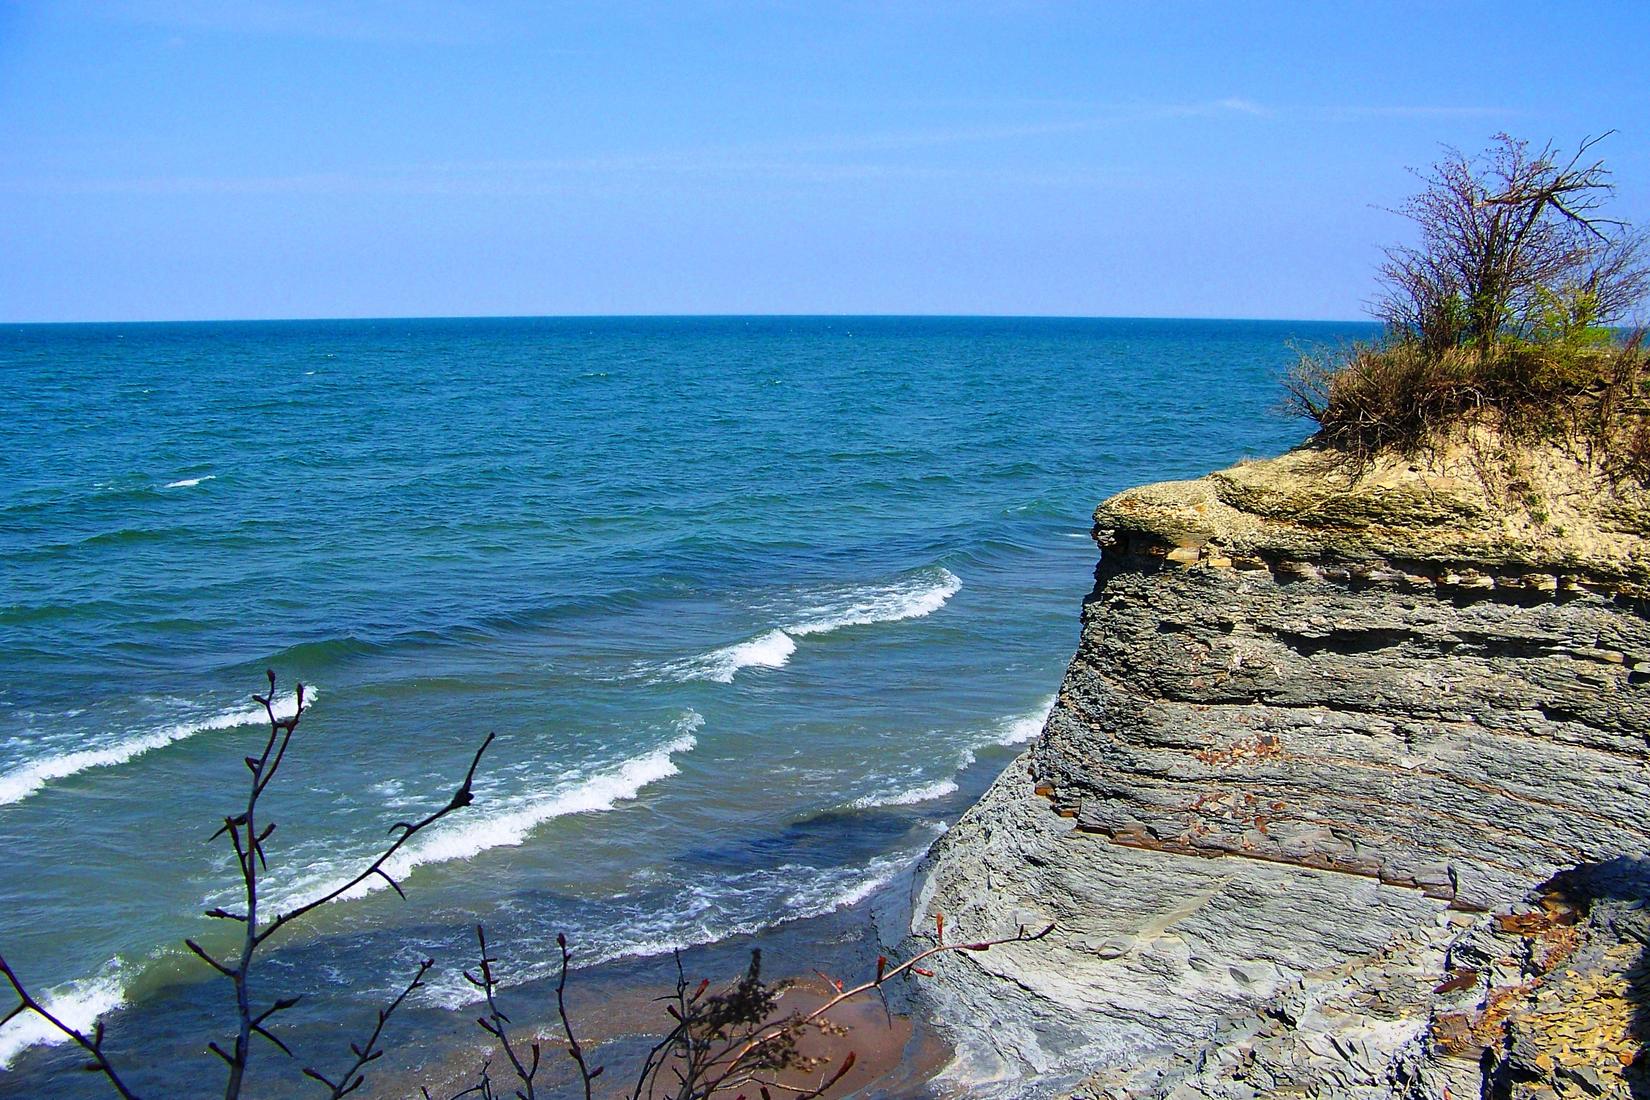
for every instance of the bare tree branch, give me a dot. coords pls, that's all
(1509, 240)
(574, 1050)
(92, 1045)
(497, 1024)
(718, 1042)
(247, 839)
(352, 1078)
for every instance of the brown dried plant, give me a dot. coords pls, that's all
(1499, 316)
(733, 1040)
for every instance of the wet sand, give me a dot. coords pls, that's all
(619, 1012)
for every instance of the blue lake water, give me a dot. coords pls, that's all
(753, 605)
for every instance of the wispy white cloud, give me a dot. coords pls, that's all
(1243, 106)
(821, 160)
(824, 159)
(1097, 118)
(599, 176)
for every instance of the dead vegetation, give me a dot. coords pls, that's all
(1398, 397)
(1501, 318)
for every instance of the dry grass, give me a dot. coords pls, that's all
(1395, 397)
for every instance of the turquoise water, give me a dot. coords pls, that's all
(754, 606)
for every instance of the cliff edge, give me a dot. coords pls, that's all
(1344, 793)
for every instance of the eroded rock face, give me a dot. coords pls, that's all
(1550, 999)
(1315, 735)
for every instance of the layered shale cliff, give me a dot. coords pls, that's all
(1298, 811)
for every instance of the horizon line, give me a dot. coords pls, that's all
(679, 316)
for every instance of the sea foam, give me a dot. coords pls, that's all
(818, 898)
(77, 1003)
(911, 797)
(512, 820)
(863, 606)
(770, 650)
(1014, 730)
(1017, 731)
(22, 781)
(893, 603)
(712, 910)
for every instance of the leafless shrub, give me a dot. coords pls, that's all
(248, 835)
(729, 1040)
(732, 1040)
(1514, 244)
(1373, 398)
(1498, 316)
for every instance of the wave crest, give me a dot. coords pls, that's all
(926, 793)
(77, 1003)
(865, 606)
(1013, 730)
(893, 603)
(26, 779)
(708, 911)
(770, 650)
(513, 819)
(1017, 731)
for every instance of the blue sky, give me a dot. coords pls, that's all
(162, 159)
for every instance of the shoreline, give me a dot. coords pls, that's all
(614, 1005)
(618, 1012)
(808, 779)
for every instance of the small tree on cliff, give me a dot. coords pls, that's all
(1500, 312)
(1514, 244)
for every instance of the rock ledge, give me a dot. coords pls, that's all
(1321, 734)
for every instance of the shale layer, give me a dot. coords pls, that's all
(1325, 733)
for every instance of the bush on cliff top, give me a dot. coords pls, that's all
(1501, 313)
(1398, 397)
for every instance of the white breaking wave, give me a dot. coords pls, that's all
(894, 603)
(1014, 730)
(20, 782)
(77, 1004)
(711, 912)
(910, 797)
(881, 871)
(513, 819)
(1017, 731)
(862, 607)
(770, 650)
(189, 482)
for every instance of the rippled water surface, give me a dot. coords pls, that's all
(743, 600)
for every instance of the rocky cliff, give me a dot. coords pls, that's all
(1307, 807)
